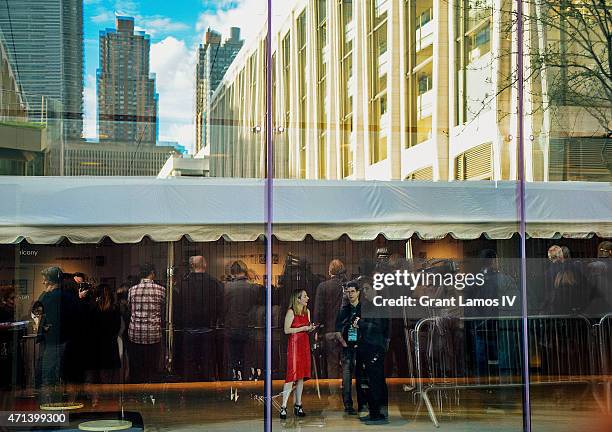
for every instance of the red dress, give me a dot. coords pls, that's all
(298, 351)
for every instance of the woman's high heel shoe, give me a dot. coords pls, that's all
(299, 412)
(283, 413)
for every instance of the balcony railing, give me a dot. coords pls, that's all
(425, 105)
(424, 36)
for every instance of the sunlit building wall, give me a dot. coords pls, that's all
(400, 89)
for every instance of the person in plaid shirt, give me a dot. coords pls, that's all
(147, 307)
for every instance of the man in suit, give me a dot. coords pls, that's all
(196, 310)
(328, 300)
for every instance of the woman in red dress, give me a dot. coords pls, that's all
(297, 326)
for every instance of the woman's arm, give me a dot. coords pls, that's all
(288, 321)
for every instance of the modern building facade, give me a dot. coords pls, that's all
(414, 90)
(44, 39)
(127, 101)
(214, 57)
(114, 159)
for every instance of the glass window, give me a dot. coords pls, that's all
(414, 263)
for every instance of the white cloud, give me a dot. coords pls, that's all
(156, 25)
(126, 7)
(249, 15)
(183, 133)
(89, 118)
(174, 66)
(103, 16)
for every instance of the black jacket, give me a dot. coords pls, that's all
(372, 331)
(104, 348)
(328, 301)
(60, 313)
(198, 303)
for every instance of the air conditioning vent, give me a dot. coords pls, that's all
(423, 174)
(475, 164)
(581, 160)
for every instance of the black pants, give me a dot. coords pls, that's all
(144, 362)
(237, 345)
(196, 356)
(349, 369)
(332, 351)
(372, 360)
(53, 372)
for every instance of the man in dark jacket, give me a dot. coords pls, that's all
(328, 300)
(350, 310)
(240, 297)
(196, 310)
(372, 334)
(57, 331)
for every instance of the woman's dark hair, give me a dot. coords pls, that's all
(107, 298)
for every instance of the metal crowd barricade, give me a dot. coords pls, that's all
(562, 350)
(604, 335)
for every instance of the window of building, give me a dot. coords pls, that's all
(378, 98)
(301, 43)
(473, 22)
(423, 18)
(346, 67)
(425, 83)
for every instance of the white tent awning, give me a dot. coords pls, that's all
(45, 210)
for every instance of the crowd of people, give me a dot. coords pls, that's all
(99, 334)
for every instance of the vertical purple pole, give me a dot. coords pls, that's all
(522, 214)
(268, 217)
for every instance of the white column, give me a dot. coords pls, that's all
(312, 110)
(394, 86)
(361, 56)
(334, 90)
(293, 132)
(440, 117)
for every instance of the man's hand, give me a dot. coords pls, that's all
(341, 340)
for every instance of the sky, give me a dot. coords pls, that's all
(176, 29)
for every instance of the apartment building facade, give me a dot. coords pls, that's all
(127, 100)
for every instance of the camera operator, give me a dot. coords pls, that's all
(369, 334)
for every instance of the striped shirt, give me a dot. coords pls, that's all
(146, 301)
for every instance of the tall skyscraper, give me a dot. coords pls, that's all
(44, 40)
(214, 58)
(127, 101)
